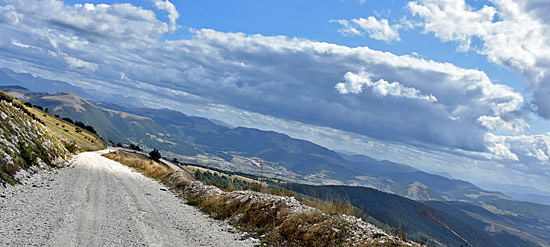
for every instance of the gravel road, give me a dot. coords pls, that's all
(99, 202)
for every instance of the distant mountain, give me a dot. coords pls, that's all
(9, 77)
(411, 216)
(521, 221)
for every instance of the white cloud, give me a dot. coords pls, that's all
(8, 15)
(118, 49)
(512, 33)
(376, 29)
(347, 29)
(354, 83)
(169, 7)
(76, 63)
(92, 22)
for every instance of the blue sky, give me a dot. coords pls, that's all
(438, 84)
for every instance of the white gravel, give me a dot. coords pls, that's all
(99, 202)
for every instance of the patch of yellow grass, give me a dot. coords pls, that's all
(68, 132)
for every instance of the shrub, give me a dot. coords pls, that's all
(90, 129)
(80, 124)
(27, 154)
(71, 147)
(68, 120)
(155, 155)
(135, 147)
(28, 104)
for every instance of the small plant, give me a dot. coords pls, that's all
(27, 154)
(71, 147)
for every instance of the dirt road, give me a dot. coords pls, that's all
(99, 202)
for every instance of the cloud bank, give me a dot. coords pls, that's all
(399, 99)
(511, 33)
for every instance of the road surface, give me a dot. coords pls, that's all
(99, 202)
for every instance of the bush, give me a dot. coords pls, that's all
(135, 147)
(27, 154)
(68, 120)
(71, 147)
(155, 155)
(28, 104)
(90, 129)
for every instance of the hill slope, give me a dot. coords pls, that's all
(25, 143)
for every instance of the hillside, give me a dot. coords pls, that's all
(409, 216)
(25, 143)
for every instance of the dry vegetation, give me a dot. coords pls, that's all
(69, 133)
(276, 220)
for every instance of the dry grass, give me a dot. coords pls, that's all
(68, 132)
(276, 220)
(332, 207)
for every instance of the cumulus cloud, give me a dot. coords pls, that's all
(93, 22)
(512, 33)
(354, 83)
(169, 7)
(399, 99)
(376, 29)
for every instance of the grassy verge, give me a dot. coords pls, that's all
(276, 220)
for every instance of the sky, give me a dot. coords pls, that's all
(457, 87)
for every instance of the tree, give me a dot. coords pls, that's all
(155, 155)
(135, 147)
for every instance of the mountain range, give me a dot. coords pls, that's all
(268, 153)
